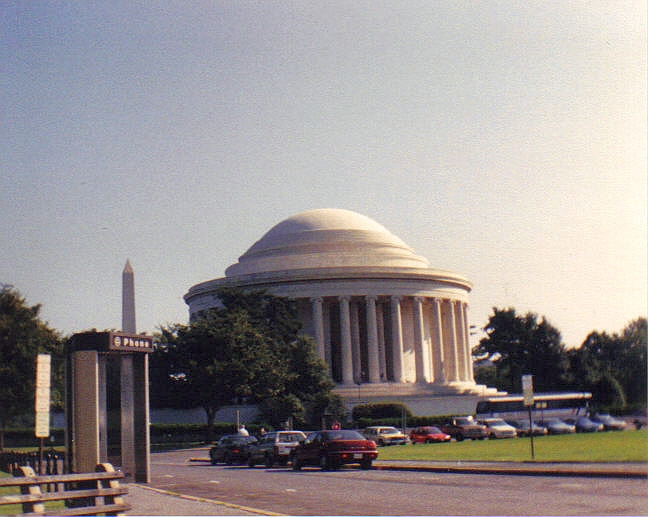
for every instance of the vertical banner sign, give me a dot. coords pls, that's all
(43, 376)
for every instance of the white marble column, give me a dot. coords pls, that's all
(328, 352)
(318, 326)
(452, 330)
(372, 340)
(380, 318)
(356, 354)
(466, 332)
(419, 341)
(397, 338)
(345, 338)
(437, 346)
(461, 342)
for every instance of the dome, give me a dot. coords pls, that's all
(326, 238)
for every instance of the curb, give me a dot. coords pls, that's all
(521, 470)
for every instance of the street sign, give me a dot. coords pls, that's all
(42, 398)
(527, 389)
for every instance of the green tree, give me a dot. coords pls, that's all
(517, 345)
(249, 350)
(613, 366)
(22, 337)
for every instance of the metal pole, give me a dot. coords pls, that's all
(40, 457)
(531, 433)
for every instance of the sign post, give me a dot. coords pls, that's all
(527, 391)
(42, 401)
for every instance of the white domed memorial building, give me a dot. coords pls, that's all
(389, 327)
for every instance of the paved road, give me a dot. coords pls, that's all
(381, 492)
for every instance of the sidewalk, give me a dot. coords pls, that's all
(147, 500)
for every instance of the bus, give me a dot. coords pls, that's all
(546, 405)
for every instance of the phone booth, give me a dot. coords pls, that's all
(107, 402)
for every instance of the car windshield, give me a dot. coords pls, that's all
(342, 434)
(433, 430)
(290, 437)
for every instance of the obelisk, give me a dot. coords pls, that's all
(128, 299)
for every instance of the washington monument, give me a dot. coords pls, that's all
(128, 299)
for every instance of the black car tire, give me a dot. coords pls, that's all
(325, 463)
(366, 464)
(269, 461)
(296, 464)
(251, 462)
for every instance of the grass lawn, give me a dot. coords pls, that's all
(611, 446)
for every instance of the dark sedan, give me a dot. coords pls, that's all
(230, 449)
(523, 428)
(585, 425)
(610, 423)
(557, 426)
(329, 449)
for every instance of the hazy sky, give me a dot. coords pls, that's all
(505, 141)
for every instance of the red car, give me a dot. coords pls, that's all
(428, 434)
(333, 448)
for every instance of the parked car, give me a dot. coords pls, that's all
(231, 449)
(463, 427)
(385, 435)
(523, 428)
(610, 423)
(332, 448)
(274, 447)
(557, 426)
(498, 428)
(428, 434)
(585, 425)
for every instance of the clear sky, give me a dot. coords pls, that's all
(505, 141)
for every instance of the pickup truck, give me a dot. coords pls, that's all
(465, 427)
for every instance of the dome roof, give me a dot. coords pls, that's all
(326, 238)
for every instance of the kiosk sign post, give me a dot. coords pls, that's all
(527, 391)
(42, 400)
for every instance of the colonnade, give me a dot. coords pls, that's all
(400, 339)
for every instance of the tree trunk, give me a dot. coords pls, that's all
(211, 414)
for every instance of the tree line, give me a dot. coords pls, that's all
(251, 350)
(613, 367)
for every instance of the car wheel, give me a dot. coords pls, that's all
(251, 463)
(213, 461)
(366, 464)
(269, 461)
(428, 441)
(228, 459)
(296, 464)
(460, 438)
